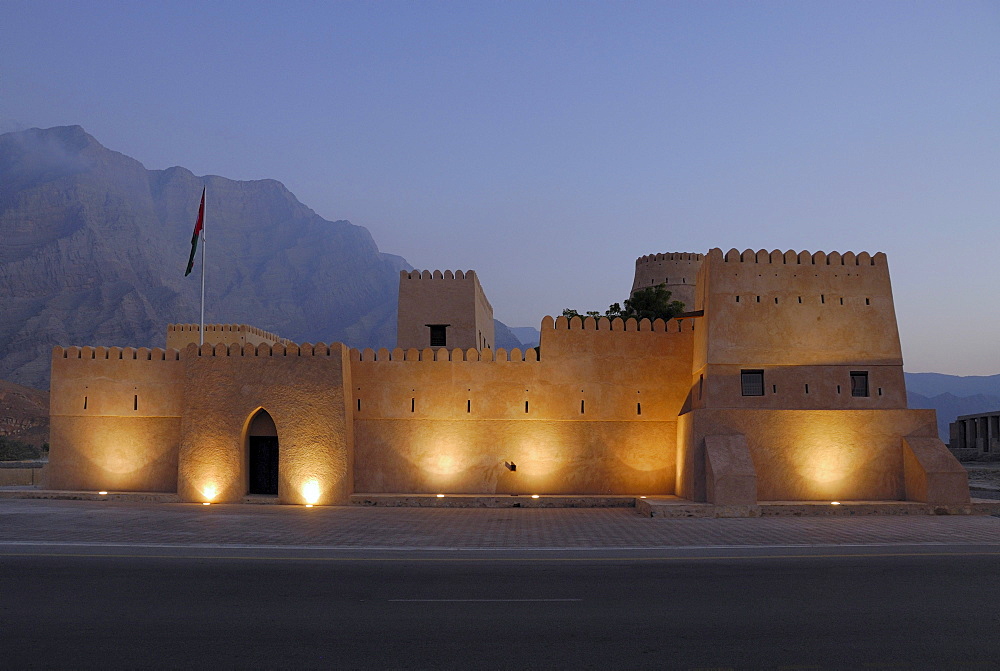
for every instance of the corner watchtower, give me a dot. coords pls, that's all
(446, 309)
(678, 270)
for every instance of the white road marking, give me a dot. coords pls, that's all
(476, 600)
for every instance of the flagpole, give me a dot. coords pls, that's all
(201, 328)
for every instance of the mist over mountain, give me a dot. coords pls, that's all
(94, 247)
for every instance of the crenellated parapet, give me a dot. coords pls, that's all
(473, 355)
(791, 257)
(263, 350)
(668, 256)
(116, 353)
(629, 325)
(181, 335)
(437, 275)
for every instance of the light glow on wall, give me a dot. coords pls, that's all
(311, 491)
(210, 492)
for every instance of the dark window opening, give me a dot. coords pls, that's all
(868, 301)
(859, 383)
(468, 405)
(822, 298)
(413, 405)
(880, 391)
(84, 402)
(752, 382)
(701, 385)
(775, 300)
(359, 405)
(135, 402)
(838, 388)
(638, 408)
(758, 299)
(737, 299)
(807, 388)
(439, 335)
(800, 299)
(525, 406)
(581, 407)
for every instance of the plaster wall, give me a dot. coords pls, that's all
(796, 309)
(452, 298)
(678, 270)
(800, 387)
(302, 387)
(807, 455)
(601, 413)
(115, 418)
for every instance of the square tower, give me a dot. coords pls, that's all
(446, 309)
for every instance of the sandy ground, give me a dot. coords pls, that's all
(983, 474)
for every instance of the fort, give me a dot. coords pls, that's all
(782, 382)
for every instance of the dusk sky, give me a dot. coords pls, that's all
(548, 144)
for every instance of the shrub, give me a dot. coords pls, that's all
(15, 450)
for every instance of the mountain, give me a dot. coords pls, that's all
(502, 337)
(94, 247)
(529, 335)
(953, 395)
(931, 384)
(24, 413)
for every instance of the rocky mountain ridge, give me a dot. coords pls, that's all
(94, 248)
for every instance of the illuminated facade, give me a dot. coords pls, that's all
(784, 382)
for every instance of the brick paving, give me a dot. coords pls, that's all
(357, 527)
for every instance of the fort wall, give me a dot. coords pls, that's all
(115, 418)
(806, 321)
(455, 299)
(678, 270)
(302, 387)
(808, 455)
(596, 414)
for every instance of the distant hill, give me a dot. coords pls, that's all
(529, 335)
(24, 413)
(953, 395)
(93, 248)
(503, 337)
(931, 384)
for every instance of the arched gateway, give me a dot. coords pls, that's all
(262, 455)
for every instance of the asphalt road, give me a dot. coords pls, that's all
(79, 607)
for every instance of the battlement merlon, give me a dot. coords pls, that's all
(180, 336)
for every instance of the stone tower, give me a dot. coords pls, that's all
(678, 270)
(446, 309)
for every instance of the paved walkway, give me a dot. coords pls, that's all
(106, 522)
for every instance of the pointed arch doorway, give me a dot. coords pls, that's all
(262, 455)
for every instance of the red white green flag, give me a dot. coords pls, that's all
(198, 226)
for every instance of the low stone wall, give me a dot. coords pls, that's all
(24, 474)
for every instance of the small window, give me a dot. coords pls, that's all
(439, 335)
(701, 385)
(753, 382)
(859, 383)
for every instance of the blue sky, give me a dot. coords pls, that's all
(548, 144)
